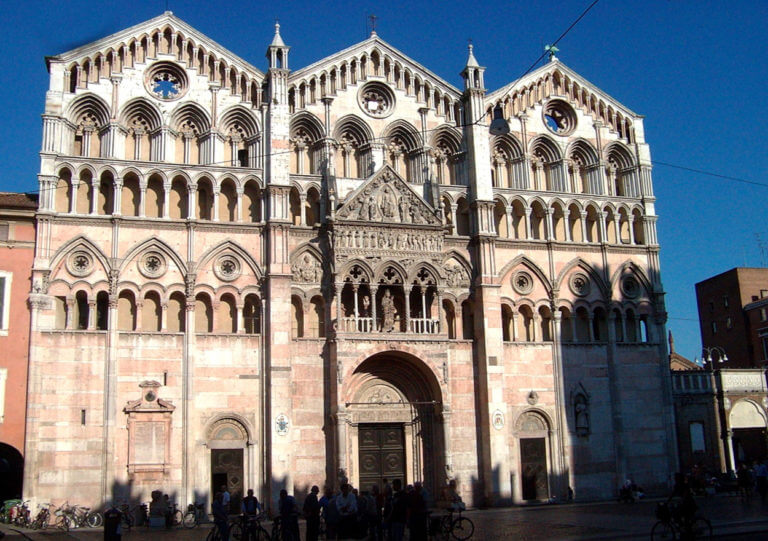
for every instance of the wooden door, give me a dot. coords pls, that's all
(382, 454)
(533, 467)
(227, 469)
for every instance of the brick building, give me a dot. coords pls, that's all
(17, 241)
(291, 277)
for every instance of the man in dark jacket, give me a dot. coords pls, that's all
(312, 514)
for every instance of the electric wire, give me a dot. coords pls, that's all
(439, 128)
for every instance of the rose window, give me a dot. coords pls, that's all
(152, 265)
(376, 99)
(559, 117)
(166, 81)
(227, 268)
(630, 287)
(80, 264)
(579, 284)
(522, 282)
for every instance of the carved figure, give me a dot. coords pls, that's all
(388, 311)
(387, 204)
(403, 208)
(306, 270)
(581, 412)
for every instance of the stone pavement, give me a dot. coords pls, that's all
(594, 521)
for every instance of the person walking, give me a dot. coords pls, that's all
(312, 514)
(417, 513)
(220, 515)
(398, 512)
(226, 498)
(346, 503)
(289, 516)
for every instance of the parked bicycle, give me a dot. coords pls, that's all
(195, 515)
(77, 516)
(42, 518)
(672, 525)
(249, 528)
(20, 514)
(7, 509)
(449, 526)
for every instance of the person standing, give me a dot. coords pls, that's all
(225, 498)
(289, 516)
(312, 514)
(417, 513)
(398, 512)
(220, 515)
(346, 503)
(761, 478)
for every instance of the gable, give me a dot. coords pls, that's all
(387, 198)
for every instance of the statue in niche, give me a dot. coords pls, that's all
(366, 306)
(387, 204)
(581, 415)
(403, 209)
(306, 270)
(388, 311)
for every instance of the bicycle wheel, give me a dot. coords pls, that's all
(462, 528)
(63, 523)
(94, 520)
(701, 529)
(235, 531)
(190, 519)
(177, 518)
(663, 531)
(126, 522)
(213, 535)
(259, 534)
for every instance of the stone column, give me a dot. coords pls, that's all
(407, 315)
(70, 313)
(164, 316)
(528, 222)
(550, 225)
(91, 315)
(374, 289)
(166, 200)
(240, 324)
(191, 205)
(567, 224)
(583, 216)
(454, 230)
(117, 199)
(216, 194)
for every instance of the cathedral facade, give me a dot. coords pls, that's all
(294, 277)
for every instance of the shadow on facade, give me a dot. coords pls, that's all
(11, 472)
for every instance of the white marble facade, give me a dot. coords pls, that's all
(287, 277)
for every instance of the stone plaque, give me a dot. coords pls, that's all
(149, 443)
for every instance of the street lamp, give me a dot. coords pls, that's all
(707, 352)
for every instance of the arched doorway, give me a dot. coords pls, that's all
(11, 472)
(393, 419)
(532, 435)
(748, 431)
(229, 461)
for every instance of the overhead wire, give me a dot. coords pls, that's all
(428, 130)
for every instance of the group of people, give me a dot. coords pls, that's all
(376, 514)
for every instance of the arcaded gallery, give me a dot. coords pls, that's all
(351, 270)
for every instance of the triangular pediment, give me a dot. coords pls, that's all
(147, 29)
(556, 80)
(385, 51)
(387, 198)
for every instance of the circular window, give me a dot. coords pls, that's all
(166, 81)
(152, 265)
(630, 287)
(559, 117)
(376, 99)
(579, 284)
(150, 396)
(522, 282)
(80, 263)
(227, 268)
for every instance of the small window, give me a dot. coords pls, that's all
(4, 230)
(728, 323)
(5, 301)
(764, 340)
(242, 158)
(763, 314)
(714, 327)
(763, 293)
(725, 301)
(697, 437)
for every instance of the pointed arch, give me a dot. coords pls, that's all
(526, 262)
(140, 112)
(83, 243)
(91, 107)
(234, 248)
(589, 270)
(153, 243)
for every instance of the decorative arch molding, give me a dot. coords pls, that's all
(364, 266)
(532, 420)
(236, 422)
(531, 266)
(589, 270)
(80, 243)
(630, 267)
(548, 148)
(449, 136)
(88, 103)
(157, 244)
(306, 260)
(584, 150)
(232, 247)
(747, 413)
(414, 268)
(309, 123)
(238, 119)
(621, 154)
(141, 107)
(355, 126)
(193, 114)
(378, 271)
(509, 144)
(406, 131)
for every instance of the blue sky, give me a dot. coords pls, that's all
(697, 70)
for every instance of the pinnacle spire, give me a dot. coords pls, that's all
(277, 41)
(471, 60)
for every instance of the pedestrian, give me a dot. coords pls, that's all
(112, 529)
(761, 477)
(289, 516)
(398, 512)
(220, 515)
(226, 498)
(312, 514)
(417, 513)
(378, 502)
(744, 480)
(346, 503)
(330, 514)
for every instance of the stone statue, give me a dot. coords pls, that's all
(388, 311)
(582, 415)
(403, 208)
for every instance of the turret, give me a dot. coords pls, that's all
(277, 52)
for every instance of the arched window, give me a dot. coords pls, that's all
(467, 320)
(252, 202)
(226, 315)
(102, 310)
(204, 198)
(575, 224)
(228, 201)
(151, 313)
(538, 219)
(566, 325)
(203, 314)
(462, 218)
(316, 317)
(518, 220)
(252, 314)
(618, 325)
(450, 319)
(545, 321)
(84, 193)
(176, 313)
(600, 325)
(155, 197)
(637, 227)
(500, 219)
(297, 321)
(526, 331)
(63, 199)
(106, 195)
(558, 222)
(130, 196)
(81, 310)
(312, 207)
(506, 323)
(583, 333)
(179, 200)
(126, 311)
(295, 203)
